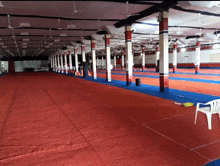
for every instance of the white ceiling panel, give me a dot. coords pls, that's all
(87, 18)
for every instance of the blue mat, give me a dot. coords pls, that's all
(214, 163)
(174, 78)
(173, 94)
(209, 74)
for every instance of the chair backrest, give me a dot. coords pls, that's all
(215, 105)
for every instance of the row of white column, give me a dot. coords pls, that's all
(196, 63)
(162, 55)
(63, 67)
(58, 65)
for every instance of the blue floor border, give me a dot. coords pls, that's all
(187, 73)
(214, 163)
(173, 78)
(172, 94)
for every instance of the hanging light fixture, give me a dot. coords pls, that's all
(215, 46)
(74, 7)
(50, 34)
(59, 24)
(182, 49)
(1, 5)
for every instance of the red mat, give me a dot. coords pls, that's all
(198, 87)
(60, 120)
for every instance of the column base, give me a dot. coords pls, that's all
(174, 68)
(108, 76)
(164, 83)
(197, 69)
(157, 69)
(128, 79)
(164, 89)
(77, 73)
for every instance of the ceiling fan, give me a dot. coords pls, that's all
(9, 25)
(1, 5)
(128, 15)
(74, 8)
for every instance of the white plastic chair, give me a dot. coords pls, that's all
(211, 107)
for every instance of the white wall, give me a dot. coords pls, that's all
(207, 56)
(1, 69)
(99, 62)
(20, 65)
(4, 65)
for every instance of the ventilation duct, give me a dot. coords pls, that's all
(64, 48)
(102, 32)
(207, 4)
(190, 37)
(216, 32)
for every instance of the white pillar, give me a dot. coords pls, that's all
(197, 58)
(61, 60)
(1, 67)
(94, 74)
(55, 64)
(143, 59)
(174, 58)
(128, 47)
(70, 60)
(76, 60)
(157, 55)
(51, 62)
(97, 59)
(108, 58)
(83, 53)
(65, 58)
(103, 62)
(83, 57)
(114, 61)
(132, 59)
(58, 64)
(164, 59)
(122, 60)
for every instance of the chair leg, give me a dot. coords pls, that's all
(195, 117)
(209, 119)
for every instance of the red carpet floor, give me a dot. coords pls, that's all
(53, 119)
